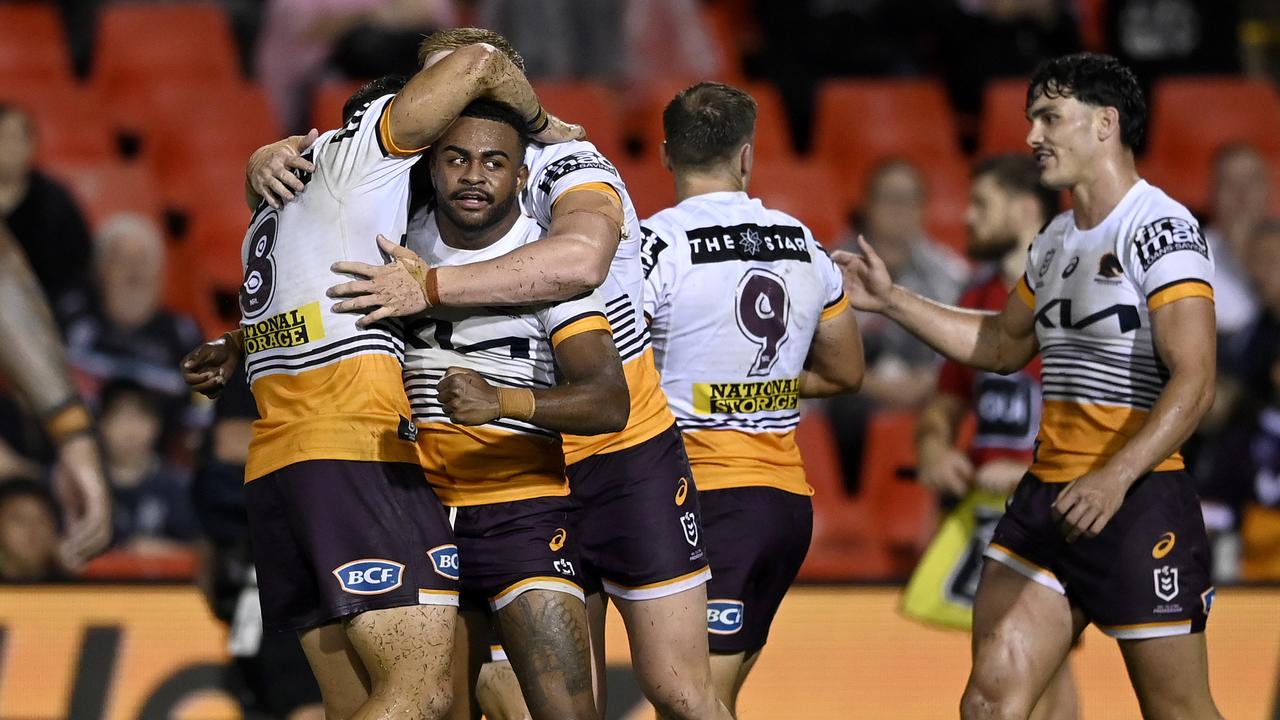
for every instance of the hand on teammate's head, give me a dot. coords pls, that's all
(559, 131)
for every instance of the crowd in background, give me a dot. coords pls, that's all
(174, 462)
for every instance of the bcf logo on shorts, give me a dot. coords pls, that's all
(369, 576)
(724, 617)
(444, 559)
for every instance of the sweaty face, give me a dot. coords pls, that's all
(989, 221)
(1063, 138)
(478, 170)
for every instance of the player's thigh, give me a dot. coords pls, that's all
(544, 633)
(1170, 676)
(498, 692)
(408, 649)
(471, 638)
(340, 673)
(597, 612)
(726, 671)
(1059, 701)
(1022, 632)
(669, 637)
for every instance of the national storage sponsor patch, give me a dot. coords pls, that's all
(290, 328)
(746, 398)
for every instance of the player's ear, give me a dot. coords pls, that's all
(664, 157)
(746, 159)
(522, 177)
(1106, 122)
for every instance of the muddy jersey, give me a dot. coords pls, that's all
(511, 346)
(554, 171)
(1093, 292)
(326, 389)
(735, 292)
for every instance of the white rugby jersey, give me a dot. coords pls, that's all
(1093, 292)
(504, 460)
(326, 389)
(735, 292)
(555, 170)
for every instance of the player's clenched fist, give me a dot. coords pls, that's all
(467, 398)
(208, 368)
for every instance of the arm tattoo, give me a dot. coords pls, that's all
(31, 352)
(545, 635)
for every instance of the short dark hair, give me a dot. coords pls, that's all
(705, 123)
(1019, 175)
(456, 38)
(370, 91)
(502, 113)
(120, 390)
(1095, 79)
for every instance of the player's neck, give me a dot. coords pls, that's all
(1096, 196)
(691, 184)
(461, 238)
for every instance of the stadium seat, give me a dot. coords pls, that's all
(722, 23)
(1004, 123)
(148, 42)
(1192, 117)
(68, 122)
(860, 123)
(213, 247)
(948, 199)
(645, 106)
(808, 191)
(32, 44)
(591, 105)
(649, 185)
(844, 545)
(104, 189)
(327, 102)
(905, 512)
(171, 566)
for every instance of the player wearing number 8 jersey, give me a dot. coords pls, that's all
(748, 315)
(1105, 527)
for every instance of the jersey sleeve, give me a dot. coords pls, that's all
(575, 316)
(658, 261)
(363, 151)
(577, 166)
(834, 300)
(1024, 288)
(1168, 259)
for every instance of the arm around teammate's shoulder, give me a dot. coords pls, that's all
(1001, 342)
(835, 363)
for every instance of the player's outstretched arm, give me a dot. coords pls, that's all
(591, 400)
(997, 342)
(1185, 338)
(835, 364)
(573, 258)
(33, 359)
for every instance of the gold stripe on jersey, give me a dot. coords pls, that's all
(723, 459)
(1076, 438)
(384, 134)
(1025, 292)
(481, 465)
(834, 308)
(601, 187)
(347, 410)
(650, 414)
(576, 326)
(1166, 294)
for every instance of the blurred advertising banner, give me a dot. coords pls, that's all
(122, 652)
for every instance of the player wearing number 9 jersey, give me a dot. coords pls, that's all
(748, 315)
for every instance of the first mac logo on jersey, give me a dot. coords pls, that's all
(369, 576)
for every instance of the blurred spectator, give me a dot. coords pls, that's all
(666, 39)
(301, 39)
(900, 368)
(1251, 350)
(119, 330)
(1240, 194)
(563, 39)
(29, 533)
(152, 500)
(1165, 37)
(40, 213)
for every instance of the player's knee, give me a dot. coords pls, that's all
(979, 703)
(673, 697)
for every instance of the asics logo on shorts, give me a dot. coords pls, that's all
(724, 617)
(369, 576)
(444, 560)
(1165, 546)
(557, 540)
(682, 491)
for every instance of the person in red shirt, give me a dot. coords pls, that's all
(1007, 208)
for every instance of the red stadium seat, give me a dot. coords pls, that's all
(649, 185)
(862, 122)
(645, 106)
(213, 250)
(905, 511)
(591, 105)
(722, 25)
(68, 122)
(148, 42)
(104, 189)
(1004, 118)
(1192, 117)
(808, 191)
(327, 102)
(171, 566)
(32, 44)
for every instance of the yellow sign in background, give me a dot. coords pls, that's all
(133, 653)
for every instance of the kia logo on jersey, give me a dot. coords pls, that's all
(369, 576)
